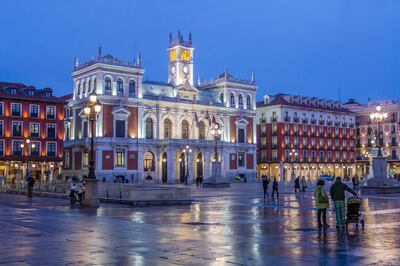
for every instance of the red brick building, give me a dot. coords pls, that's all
(304, 136)
(31, 131)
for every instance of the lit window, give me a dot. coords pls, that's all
(50, 112)
(132, 89)
(51, 149)
(119, 157)
(241, 159)
(17, 128)
(16, 109)
(34, 110)
(34, 130)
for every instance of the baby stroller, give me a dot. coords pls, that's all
(353, 214)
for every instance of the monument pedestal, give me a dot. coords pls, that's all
(216, 180)
(379, 183)
(91, 193)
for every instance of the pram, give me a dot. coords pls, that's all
(353, 214)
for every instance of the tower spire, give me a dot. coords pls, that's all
(139, 60)
(190, 37)
(170, 37)
(76, 62)
(253, 78)
(99, 52)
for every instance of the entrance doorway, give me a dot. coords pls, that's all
(164, 168)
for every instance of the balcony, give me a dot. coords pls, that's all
(337, 124)
(296, 133)
(274, 133)
(274, 146)
(394, 143)
(304, 120)
(286, 132)
(313, 121)
(312, 134)
(263, 133)
(286, 119)
(322, 122)
(296, 119)
(369, 145)
(344, 124)
(263, 120)
(274, 119)
(351, 125)
(304, 134)
(329, 123)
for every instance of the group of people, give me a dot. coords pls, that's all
(337, 195)
(300, 183)
(275, 186)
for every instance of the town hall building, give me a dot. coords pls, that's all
(144, 126)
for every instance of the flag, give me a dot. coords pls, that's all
(214, 120)
(196, 119)
(210, 120)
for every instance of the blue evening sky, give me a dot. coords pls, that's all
(307, 47)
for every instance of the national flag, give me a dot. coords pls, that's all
(196, 119)
(214, 120)
(210, 120)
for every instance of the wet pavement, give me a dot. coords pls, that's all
(222, 227)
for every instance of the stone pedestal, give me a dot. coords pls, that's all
(216, 180)
(91, 193)
(379, 183)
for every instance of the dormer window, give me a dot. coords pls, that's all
(13, 91)
(31, 92)
(47, 93)
(107, 84)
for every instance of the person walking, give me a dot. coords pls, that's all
(265, 183)
(337, 192)
(303, 184)
(198, 181)
(321, 202)
(31, 182)
(275, 186)
(297, 184)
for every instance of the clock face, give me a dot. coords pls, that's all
(185, 69)
(173, 70)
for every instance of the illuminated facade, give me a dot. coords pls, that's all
(144, 125)
(304, 136)
(366, 137)
(31, 131)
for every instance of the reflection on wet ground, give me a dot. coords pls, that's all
(228, 226)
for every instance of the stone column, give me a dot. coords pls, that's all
(207, 163)
(140, 175)
(171, 166)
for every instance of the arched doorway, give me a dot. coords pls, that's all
(148, 165)
(182, 168)
(199, 165)
(164, 168)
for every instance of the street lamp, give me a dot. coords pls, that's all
(91, 110)
(187, 150)
(378, 117)
(216, 131)
(293, 154)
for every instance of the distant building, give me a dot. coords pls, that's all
(366, 137)
(31, 131)
(144, 125)
(304, 136)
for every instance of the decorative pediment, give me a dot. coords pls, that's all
(120, 111)
(241, 122)
(186, 91)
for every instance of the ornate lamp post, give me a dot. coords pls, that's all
(91, 109)
(216, 131)
(293, 154)
(187, 150)
(378, 117)
(25, 146)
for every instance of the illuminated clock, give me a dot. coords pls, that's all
(173, 70)
(172, 55)
(185, 69)
(185, 55)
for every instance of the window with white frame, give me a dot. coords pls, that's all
(51, 112)
(51, 149)
(248, 102)
(17, 128)
(120, 158)
(16, 148)
(241, 160)
(16, 109)
(232, 99)
(34, 110)
(241, 135)
(132, 89)
(34, 148)
(1, 127)
(85, 159)
(34, 129)
(51, 130)
(120, 128)
(1, 108)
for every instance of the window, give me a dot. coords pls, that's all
(95, 85)
(321, 156)
(232, 96)
(149, 128)
(16, 148)
(241, 135)
(47, 93)
(274, 155)
(17, 128)
(120, 128)
(67, 159)
(13, 91)
(120, 158)
(120, 86)
(132, 89)
(50, 112)
(1, 128)
(148, 161)
(85, 129)
(16, 109)
(1, 147)
(185, 129)
(1, 108)
(167, 129)
(304, 143)
(248, 102)
(329, 156)
(202, 130)
(34, 110)
(85, 158)
(51, 130)
(221, 97)
(240, 101)
(241, 159)
(35, 148)
(90, 85)
(51, 149)
(305, 156)
(84, 87)
(34, 129)
(107, 84)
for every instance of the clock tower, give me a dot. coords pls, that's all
(180, 64)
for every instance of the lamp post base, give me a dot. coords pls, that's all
(216, 180)
(91, 193)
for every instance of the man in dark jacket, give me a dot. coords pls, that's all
(337, 192)
(265, 183)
